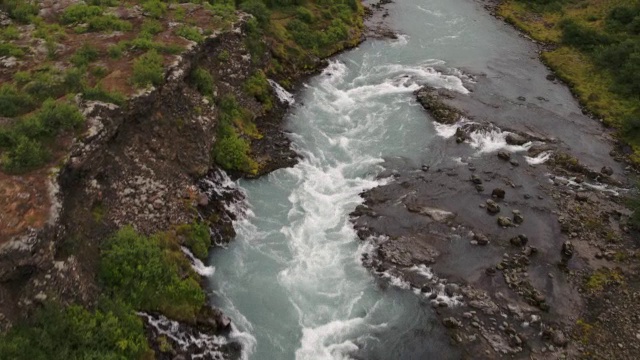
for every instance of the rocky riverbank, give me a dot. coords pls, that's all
(519, 239)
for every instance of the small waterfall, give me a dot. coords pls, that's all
(284, 96)
(197, 265)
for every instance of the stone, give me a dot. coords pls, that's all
(567, 249)
(498, 193)
(582, 196)
(520, 240)
(481, 239)
(492, 207)
(425, 168)
(514, 162)
(451, 323)
(504, 221)
(475, 179)
(517, 217)
(451, 289)
(479, 188)
(436, 214)
(522, 98)
(559, 339)
(551, 77)
(606, 170)
(515, 139)
(426, 289)
(504, 155)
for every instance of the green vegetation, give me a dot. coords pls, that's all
(258, 86)
(203, 81)
(597, 53)
(20, 10)
(98, 93)
(148, 69)
(112, 331)
(190, 33)
(197, 238)
(93, 17)
(601, 278)
(151, 274)
(232, 148)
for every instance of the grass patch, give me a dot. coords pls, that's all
(148, 69)
(197, 238)
(202, 79)
(601, 278)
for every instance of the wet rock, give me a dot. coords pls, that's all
(436, 214)
(479, 188)
(520, 240)
(517, 217)
(451, 323)
(582, 196)
(481, 239)
(522, 98)
(515, 139)
(504, 221)
(475, 179)
(551, 77)
(559, 339)
(492, 207)
(425, 168)
(451, 289)
(567, 249)
(514, 162)
(498, 193)
(426, 289)
(504, 155)
(606, 170)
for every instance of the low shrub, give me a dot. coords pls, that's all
(14, 102)
(148, 69)
(202, 80)
(197, 238)
(190, 33)
(25, 154)
(84, 55)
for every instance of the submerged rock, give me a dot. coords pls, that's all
(504, 221)
(492, 207)
(498, 193)
(515, 139)
(504, 155)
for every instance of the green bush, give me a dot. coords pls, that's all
(155, 8)
(113, 331)
(582, 37)
(258, 86)
(148, 69)
(20, 10)
(197, 238)
(151, 27)
(231, 152)
(258, 9)
(305, 15)
(26, 154)
(202, 80)
(151, 274)
(7, 49)
(14, 102)
(97, 93)
(84, 55)
(190, 33)
(107, 23)
(79, 13)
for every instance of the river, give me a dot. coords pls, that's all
(293, 281)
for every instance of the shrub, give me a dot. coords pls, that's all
(100, 94)
(108, 23)
(231, 152)
(55, 116)
(305, 15)
(14, 102)
(258, 9)
(7, 49)
(581, 37)
(113, 331)
(20, 10)
(148, 69)
(10, 33)
(79, 13)
(151, 274)
(202, 80)
(26, 154)
(197, 238)
(155, 8)
(258, 86)
(84, 55)
(190, 33)
(151, 27)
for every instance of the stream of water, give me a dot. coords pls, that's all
(293, 281)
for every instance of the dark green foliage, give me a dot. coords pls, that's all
(258, 86)
(258, 9)
(151, 27)
(232, 151)
(99, 94)
(155, 8)
(84, 55)
(151, 274)
(197, 238)
(7, 49)
(112, 331)
(20, 10)
(148, 69)
(582, 37)
(14, 102)
(25, 154)
(202, 80)
(79, 13)
(107, 23)
(190, 33)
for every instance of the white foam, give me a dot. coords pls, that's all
(284, 96)
(604, 188)
(197, 265)
(541, 158)
(401, 40)
(487, 141)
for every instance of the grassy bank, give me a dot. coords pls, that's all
(595, 49)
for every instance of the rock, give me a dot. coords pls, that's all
(436, 214)
(498, 193)
(504, 155)
(582, 196)
(522, 98)
(425, 168)
(551, 77)
(451, 289)
(606, 170)
(203, 200)
(517, 217)
(559, 339)
(481, 239)
(492, 207)
(515, 139)
(514, 162)
(451, 323)
(504, 221)
(520, 240)
(567, 249)
(41, 297)
(475, 179)
(426, 289)
(479, 188)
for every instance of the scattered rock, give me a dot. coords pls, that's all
(551, 77)
(514, 162)
(517, 217)
(436, 214)
(559, 339)
(492, 207)
(582, 196)
(498, 193)
(475, 179)
(481, 239)
(504, 221)
(451, 289)
(522, 98)
(479, 188)
(504, 155)
(567, 250)
(451, 323)
(520, 240)
(606, 170)
(515, 139)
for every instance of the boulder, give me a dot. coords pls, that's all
(498, 193)
(520, 240)
(515, 139)
(492, 207)
(481, 239)
(475, 179)
(504, 221)
(606, 170)
(504, 155)
(517, 217)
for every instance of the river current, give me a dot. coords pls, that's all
(292, 281)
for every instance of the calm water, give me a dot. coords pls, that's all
(292, 281)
